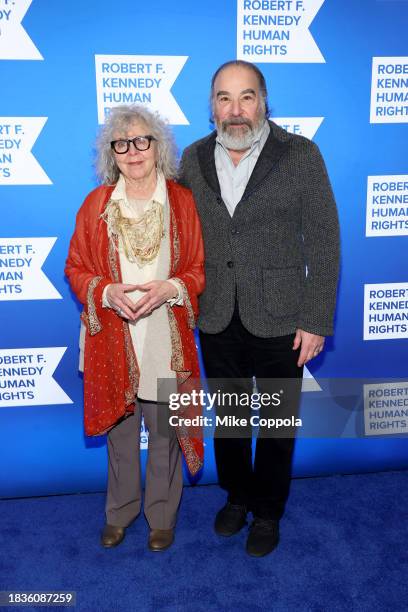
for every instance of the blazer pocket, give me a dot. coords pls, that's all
(281, 291)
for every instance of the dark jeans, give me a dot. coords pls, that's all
(236, 353)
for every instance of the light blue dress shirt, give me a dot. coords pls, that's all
(233, 179)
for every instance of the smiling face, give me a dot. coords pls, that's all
(136, 165)
(238, 107)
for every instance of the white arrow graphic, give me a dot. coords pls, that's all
(309, 382)
(18, 165)
(26, 377)
(15, 43)
(277, 32)
(139, 79)
(21, 277)
(389, 90)
(304, 126)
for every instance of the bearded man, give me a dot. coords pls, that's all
(271, 239)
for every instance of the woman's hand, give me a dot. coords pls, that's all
(119, 301)
(157, 292)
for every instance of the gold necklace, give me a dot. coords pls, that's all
(141, 237)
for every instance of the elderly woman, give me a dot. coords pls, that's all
(136, 264)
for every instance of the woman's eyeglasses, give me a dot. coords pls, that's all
(141, 143)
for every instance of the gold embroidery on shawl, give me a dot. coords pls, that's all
(177, 361)
(182, 376)
(176, 242)
(193, 462)
(133, 366)
(113, 261)
(187, 303)
(94, 325)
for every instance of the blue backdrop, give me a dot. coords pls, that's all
(43, 448)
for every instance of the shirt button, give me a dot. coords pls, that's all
(230, 264)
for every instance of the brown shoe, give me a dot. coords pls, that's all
(112, 536)
(160, 539)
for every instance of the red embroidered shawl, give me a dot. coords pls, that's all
(111, 373)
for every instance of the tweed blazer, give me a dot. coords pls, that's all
(278, 255)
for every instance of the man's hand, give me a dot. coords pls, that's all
(311, 345)
(156, 293)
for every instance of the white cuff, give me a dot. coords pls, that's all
(178, 300)
(105, 301)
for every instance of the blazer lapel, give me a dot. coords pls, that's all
(206, 160)
(269, 157)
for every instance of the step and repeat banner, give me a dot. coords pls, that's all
(337, 72)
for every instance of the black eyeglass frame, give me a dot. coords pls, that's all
(148, 137)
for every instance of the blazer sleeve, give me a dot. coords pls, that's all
(182, 177)
(321, 246)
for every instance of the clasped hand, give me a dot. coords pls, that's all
(157, 292)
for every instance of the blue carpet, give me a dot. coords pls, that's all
(344, 546)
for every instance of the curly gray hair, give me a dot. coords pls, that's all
(118, 122)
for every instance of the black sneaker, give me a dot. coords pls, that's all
(263, 537)
(230, 519)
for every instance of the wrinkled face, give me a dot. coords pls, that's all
(238, 107)
(136, 165)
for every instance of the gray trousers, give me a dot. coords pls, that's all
(164, 480)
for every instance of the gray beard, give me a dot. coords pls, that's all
(239, 142)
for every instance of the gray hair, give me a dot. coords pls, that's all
(118, 121)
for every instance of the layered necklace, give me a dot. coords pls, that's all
(140, 237)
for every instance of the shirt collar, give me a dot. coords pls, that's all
(159, 195)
